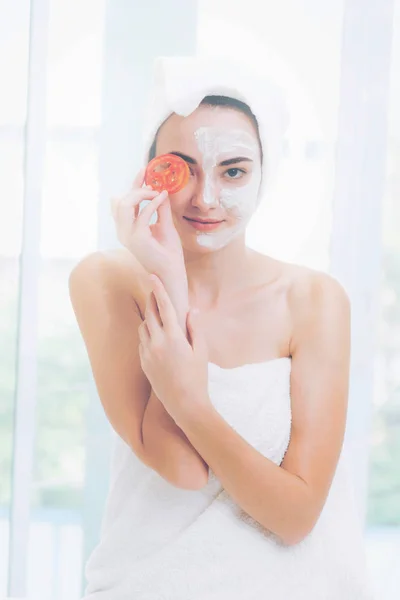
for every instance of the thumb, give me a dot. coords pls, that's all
(165, 214)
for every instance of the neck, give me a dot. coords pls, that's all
(216, 275)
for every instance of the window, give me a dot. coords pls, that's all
(53, 138)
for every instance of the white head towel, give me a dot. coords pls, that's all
(180, 83)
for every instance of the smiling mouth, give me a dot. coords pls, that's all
(201, 221)
(203, 225)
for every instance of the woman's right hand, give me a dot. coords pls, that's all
(158, 246)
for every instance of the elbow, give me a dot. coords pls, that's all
(192, 478)
(296, 535)
(190, 470)
(179, 469)
(293, 539)
(299, 529)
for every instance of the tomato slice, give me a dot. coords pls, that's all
(167, 172)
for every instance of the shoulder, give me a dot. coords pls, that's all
(306, 287)
(115, 269)
(316, 300)
(307, 284)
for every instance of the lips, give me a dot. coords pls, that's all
(201, 220)
(203, 225)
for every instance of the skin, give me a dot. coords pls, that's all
(275, 309)
(285, 499)
(214, 259)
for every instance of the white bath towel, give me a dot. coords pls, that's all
(160, 542)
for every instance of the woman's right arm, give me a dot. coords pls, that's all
(108, 319)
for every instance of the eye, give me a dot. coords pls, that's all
(235, 173)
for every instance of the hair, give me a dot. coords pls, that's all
(225, 101)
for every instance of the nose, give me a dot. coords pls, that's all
(205, 194)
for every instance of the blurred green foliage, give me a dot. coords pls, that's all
(384, 476)
(61, 398)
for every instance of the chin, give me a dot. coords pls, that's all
(207, 243)
(194, 247)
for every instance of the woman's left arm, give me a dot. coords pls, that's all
(288, 499)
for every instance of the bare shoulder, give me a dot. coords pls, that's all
(315, 299)
(300, 283)
(115, 269)
(307, 284)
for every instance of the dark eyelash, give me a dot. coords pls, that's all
(236, 169)
(192, 172)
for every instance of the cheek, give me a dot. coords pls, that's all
(235, 201)
(182, 196)
(241, 201)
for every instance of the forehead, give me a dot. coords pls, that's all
(179, 133)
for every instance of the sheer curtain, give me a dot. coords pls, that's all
(73, 78)
(51, 64)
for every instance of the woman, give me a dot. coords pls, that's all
(228, 478)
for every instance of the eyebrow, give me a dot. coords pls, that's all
(224, 163)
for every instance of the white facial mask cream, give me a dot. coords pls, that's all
(239, 201)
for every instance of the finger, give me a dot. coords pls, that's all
(126, 209)
(142, 354)
(150, 209)
(142, 195)
(138, 181)
(144, 335)
(153, 320)
(165, 307)
(130, 199)
(121, 208)
(137, 196)
(165, 214)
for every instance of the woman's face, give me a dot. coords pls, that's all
(221, 148)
